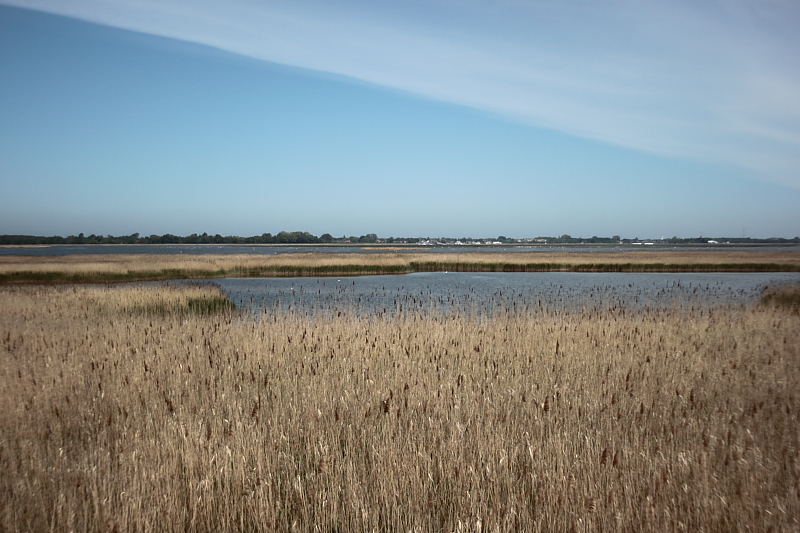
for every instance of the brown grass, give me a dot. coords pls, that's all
(786, 296)
(132, 267)
(118, 420)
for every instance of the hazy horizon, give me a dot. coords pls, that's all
(398, 237)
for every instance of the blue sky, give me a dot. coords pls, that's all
(431, 118)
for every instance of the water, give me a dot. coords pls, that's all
(487, 293)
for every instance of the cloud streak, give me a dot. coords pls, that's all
(711, 81)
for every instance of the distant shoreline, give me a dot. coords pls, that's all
(388, 246)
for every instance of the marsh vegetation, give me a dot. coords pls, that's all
(785, 296)
(128, 409)
(107, 268)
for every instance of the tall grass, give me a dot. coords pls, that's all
(157, 301)
(114, 268)
(786, 296)
(627, 420)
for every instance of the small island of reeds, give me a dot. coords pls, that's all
(115, 268)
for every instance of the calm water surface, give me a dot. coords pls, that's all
(484, 293)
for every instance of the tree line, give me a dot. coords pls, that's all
(304, 237)
(283, 237)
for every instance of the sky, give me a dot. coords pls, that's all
(408, 118)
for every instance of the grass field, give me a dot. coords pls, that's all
(159, 408)
(102, 268)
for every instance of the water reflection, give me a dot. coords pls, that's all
(489, 293)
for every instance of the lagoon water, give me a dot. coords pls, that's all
(487, 293)
(481, 293)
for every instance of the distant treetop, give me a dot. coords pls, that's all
(304, 237)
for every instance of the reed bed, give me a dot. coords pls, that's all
(119, 417)
(100, 268)
(785, 296)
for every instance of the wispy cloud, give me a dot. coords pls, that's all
(714, 81)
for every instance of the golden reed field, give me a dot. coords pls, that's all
(160, 408)
(103, 268)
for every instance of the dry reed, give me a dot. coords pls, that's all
(652, 420)
(137, 267)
